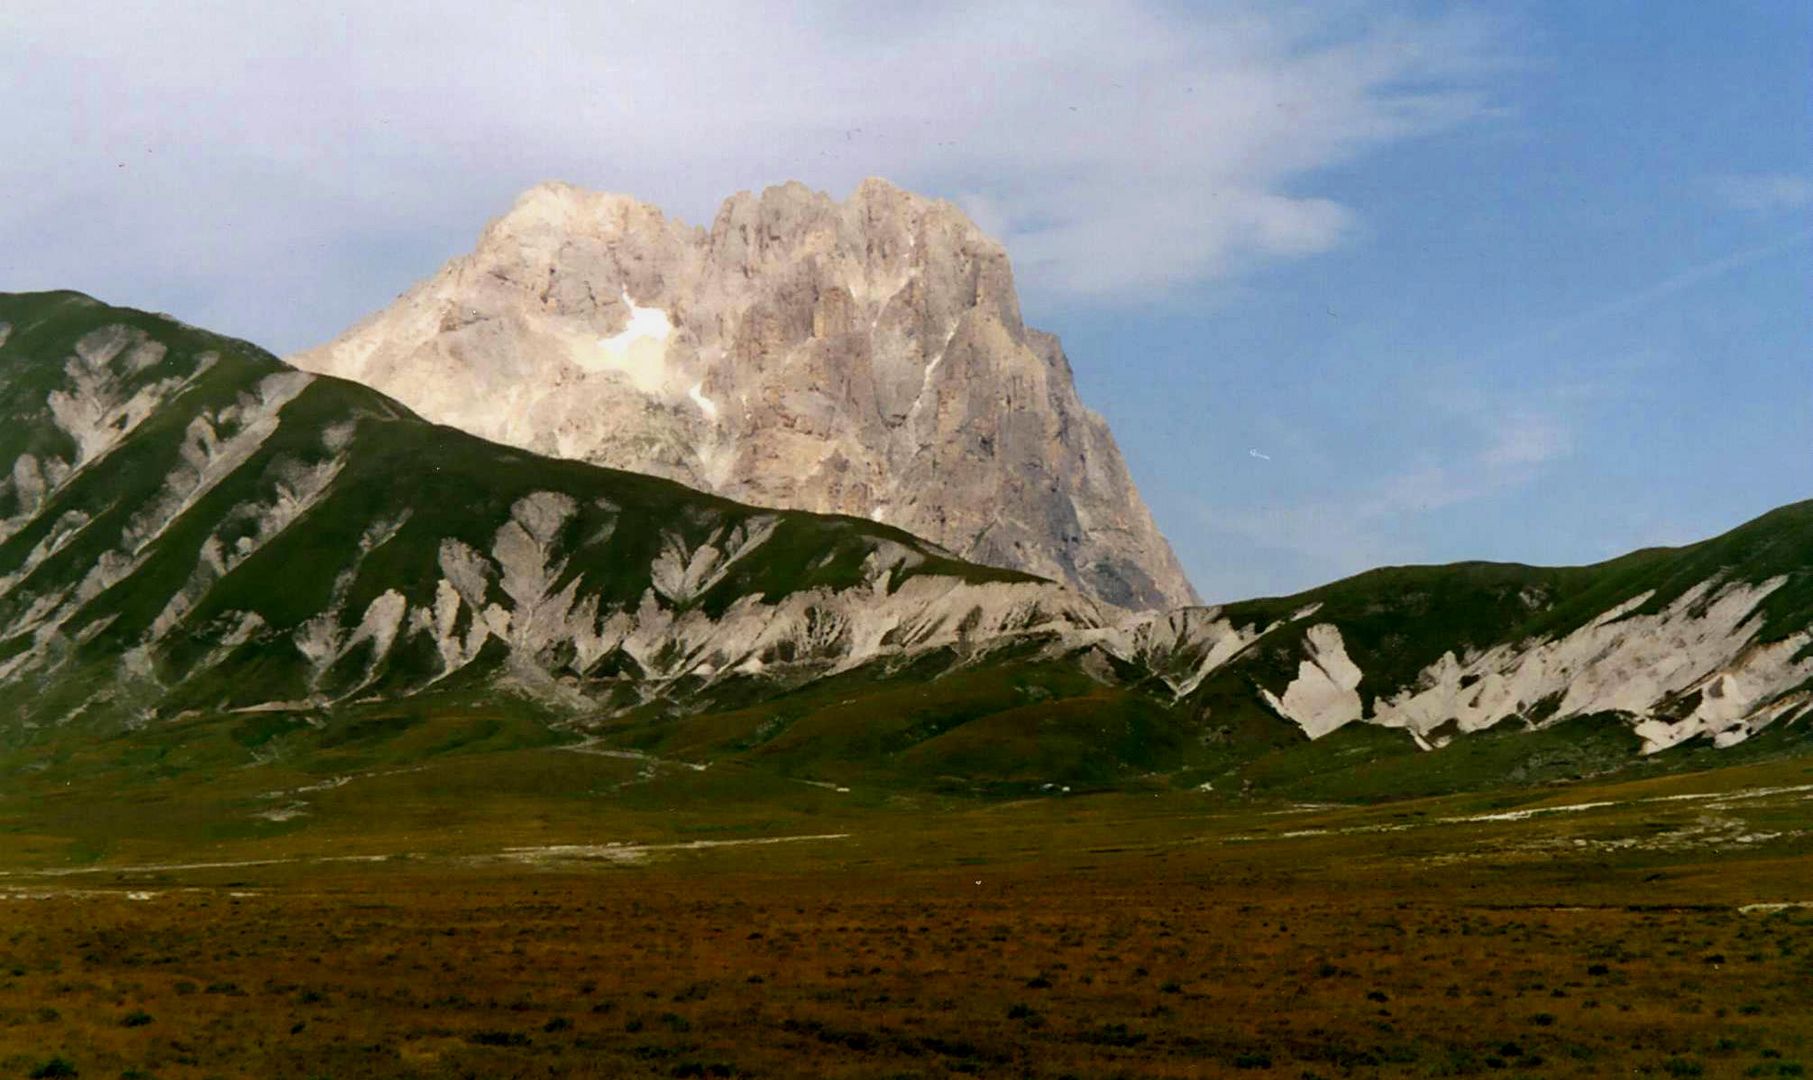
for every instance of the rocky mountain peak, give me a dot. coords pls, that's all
(863, 357)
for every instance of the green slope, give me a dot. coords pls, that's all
(242, 502)
(1396, 621)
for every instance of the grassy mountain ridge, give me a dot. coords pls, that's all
(223, 532)
(1403, 618)
(1192, 708)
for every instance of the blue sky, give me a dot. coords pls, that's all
(1580, 324)
(1354, 283)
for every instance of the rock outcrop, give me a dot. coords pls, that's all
(864, 358)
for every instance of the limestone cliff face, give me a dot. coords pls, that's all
(864, 358)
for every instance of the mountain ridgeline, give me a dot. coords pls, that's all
(191, 528)
(188, 523)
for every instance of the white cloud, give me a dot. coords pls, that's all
(282, 166)
(1522, 440)
(1764, 193)
(1512, 452)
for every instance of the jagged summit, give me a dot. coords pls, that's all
(863, 357)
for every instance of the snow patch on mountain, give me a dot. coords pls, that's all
(638, 352)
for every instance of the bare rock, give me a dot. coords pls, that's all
(864, 357)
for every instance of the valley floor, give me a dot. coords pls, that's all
(1661, 926)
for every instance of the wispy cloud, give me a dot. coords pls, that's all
(1509, 439)
(223, 154)
(1764, 193)
(1650, 295)
(1334, 534)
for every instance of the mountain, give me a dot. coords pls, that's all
(1398, 681)
(187, 523)
(193, 532)
(1710, 640)
(864, 358)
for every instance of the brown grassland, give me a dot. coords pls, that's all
(1655, 928)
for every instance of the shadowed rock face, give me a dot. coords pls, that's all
(864, 358)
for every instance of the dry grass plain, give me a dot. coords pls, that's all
(1581, 931)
